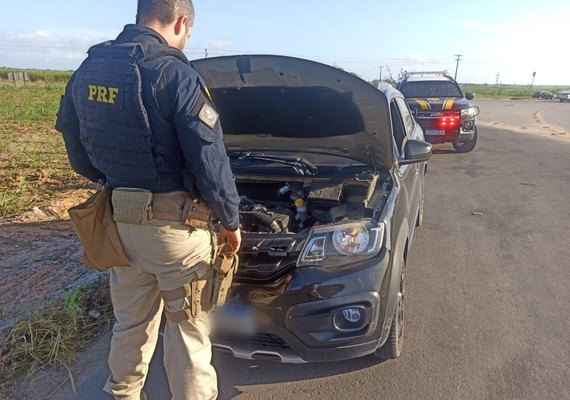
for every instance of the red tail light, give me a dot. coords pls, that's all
(448, 122)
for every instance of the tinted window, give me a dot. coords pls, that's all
(431, 89)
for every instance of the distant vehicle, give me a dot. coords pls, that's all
(543, 95)
(441, 108)
(564, 96)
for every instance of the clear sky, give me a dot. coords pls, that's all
(504, 40)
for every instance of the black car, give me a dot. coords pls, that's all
(330, 171)
(543, 95)
(441, 108)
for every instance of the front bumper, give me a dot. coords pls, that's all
(301, 314)
(462, 135)
(435, 132)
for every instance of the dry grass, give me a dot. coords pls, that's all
(53, 336)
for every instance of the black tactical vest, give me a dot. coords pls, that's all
(114, 126)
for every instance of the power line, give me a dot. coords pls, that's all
(227, 51)
(198, 52)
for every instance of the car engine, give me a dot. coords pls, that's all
(293, 207)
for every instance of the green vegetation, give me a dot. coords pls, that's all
(54, 335)
(507, 91)
(37, 75)
(498, 91)
(32, 105)
(32, 154)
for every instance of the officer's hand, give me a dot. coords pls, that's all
(233, 238)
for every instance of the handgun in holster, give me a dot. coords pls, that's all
(224, 267)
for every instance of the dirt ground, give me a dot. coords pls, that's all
(39, 257)
(39, 264)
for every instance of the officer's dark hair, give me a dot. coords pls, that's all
(164, 11)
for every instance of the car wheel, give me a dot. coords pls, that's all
(468, 145)
(420, 219)
(393, 346)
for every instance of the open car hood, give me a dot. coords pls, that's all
(282, 104)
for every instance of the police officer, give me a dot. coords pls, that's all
(137, 115)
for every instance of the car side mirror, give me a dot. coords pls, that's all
(416, 151)
(470, 96)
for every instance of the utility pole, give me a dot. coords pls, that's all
(206, 53)
(531, 82)
(380, 77)
(457, 64)
(497, 85)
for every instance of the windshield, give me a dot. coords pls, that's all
(431, 89)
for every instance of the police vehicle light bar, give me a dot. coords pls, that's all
(408, 73)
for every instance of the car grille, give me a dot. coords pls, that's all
(261, 340)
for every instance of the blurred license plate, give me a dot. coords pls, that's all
(435, 132)
(235, 319)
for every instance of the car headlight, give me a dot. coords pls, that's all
(342, 244)
(470, 112)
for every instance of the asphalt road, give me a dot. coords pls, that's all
(549, 117)
(487, 313)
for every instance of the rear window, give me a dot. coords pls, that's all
(431, 89)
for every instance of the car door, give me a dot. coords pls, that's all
(404, 129)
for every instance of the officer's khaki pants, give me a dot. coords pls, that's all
(165, 255)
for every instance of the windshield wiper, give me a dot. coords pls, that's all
(299, 164)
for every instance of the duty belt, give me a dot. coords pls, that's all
(137, 206)
(180, 206)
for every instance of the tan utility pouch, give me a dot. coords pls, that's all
(197, 213)
(222, 274)
(97, 232)
(132, 205)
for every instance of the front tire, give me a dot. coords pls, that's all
(468, 145)
(393, 346)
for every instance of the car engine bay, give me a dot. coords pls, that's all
(293, 207)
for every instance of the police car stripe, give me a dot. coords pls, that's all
(424, 105)
(448, 104)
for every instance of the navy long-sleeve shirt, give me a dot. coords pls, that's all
(172, 94)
